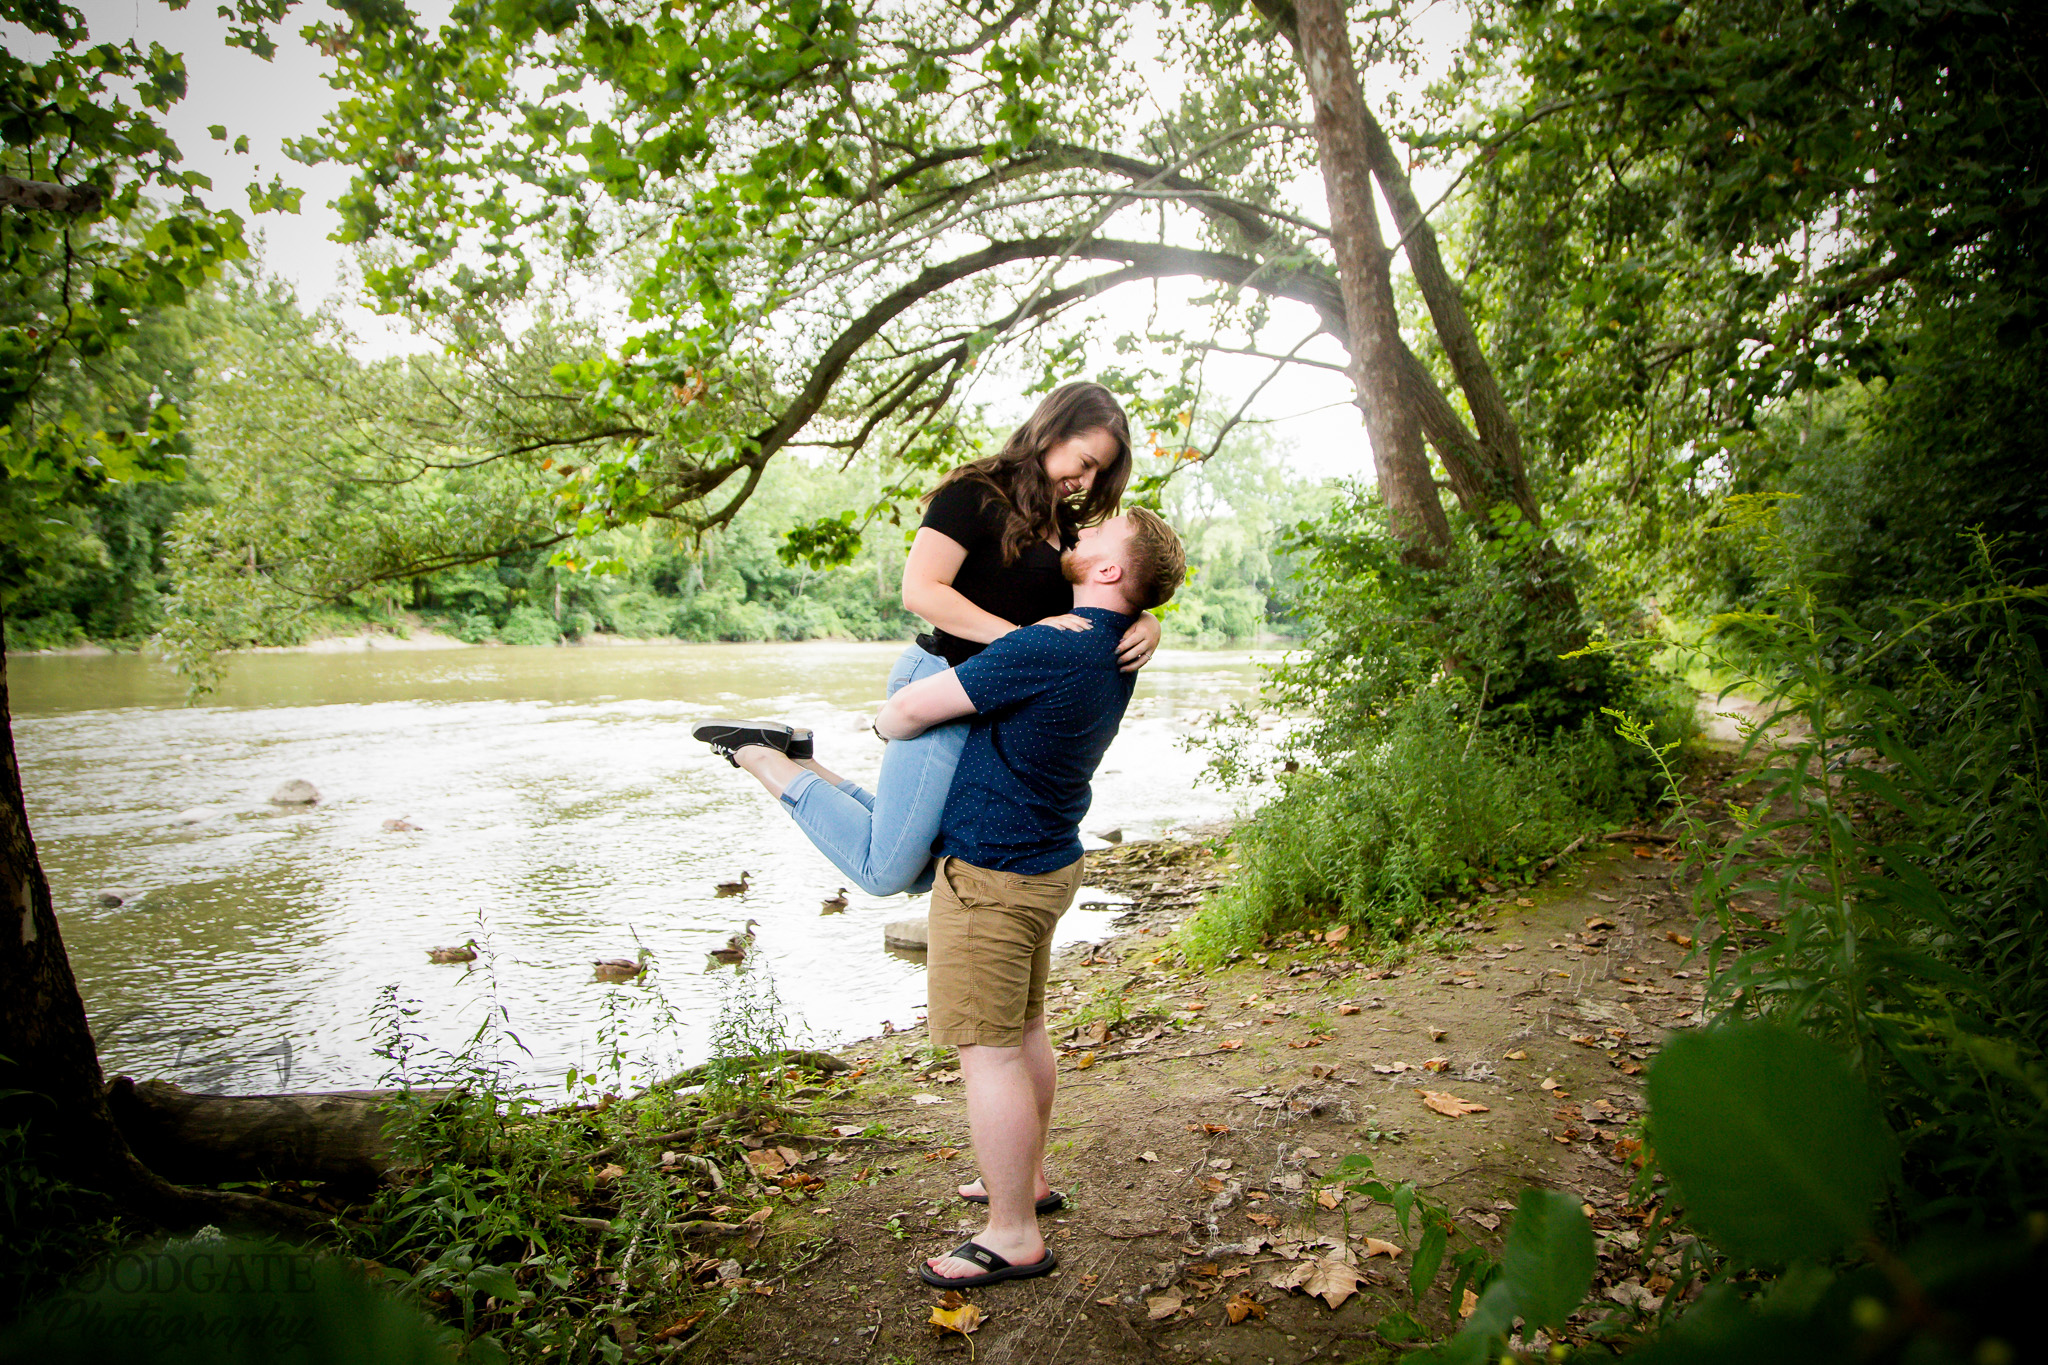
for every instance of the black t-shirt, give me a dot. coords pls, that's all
(1029, 588)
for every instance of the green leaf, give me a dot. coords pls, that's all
(1547, 1265)
(1777, 1150)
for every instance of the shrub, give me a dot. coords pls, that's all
(529, 625)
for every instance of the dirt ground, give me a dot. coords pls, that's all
(1198, 1115)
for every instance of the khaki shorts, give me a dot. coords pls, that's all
(990, 950)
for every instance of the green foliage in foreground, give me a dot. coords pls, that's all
(1775, 1151)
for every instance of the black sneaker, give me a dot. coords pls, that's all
(724, 736)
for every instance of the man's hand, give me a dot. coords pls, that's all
(923, 704)
(1135, 650)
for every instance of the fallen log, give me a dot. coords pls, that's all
(340, 1136)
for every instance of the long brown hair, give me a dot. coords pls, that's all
(1032, 508)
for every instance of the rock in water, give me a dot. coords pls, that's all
(116, 895)
(906, 933)
(297, 792)
(197, 815)
(1111, 836)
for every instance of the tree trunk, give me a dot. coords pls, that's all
(16, 193)
(1363, 262)
(46, 1046)
(338, 1136)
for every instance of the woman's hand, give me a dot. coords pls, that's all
(1067, 621)
(1135, 650)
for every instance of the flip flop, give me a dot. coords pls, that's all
(998, 1268)
(1052, 1203)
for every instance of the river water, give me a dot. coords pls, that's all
(563, 814)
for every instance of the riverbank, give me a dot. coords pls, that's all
(1203, 1121)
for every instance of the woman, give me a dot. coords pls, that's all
(985, 562)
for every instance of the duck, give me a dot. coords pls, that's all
(738, 888)
(834, 904)
(736, 947)
(461, 952)
(620, 968)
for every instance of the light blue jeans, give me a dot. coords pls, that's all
(883, 840)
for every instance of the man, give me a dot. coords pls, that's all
(1046, 703)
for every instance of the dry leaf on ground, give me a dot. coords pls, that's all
(926, 1099)
(1084, 1061)
(1347, 1009)
(1163, 1306)
(1338, 934)
(1242, 1306)
(1598, 922)
(1326, 1277)
(1375, 1246)
(1390, 1068)
(1518, 1056)
(1328, 1199)
(767, 1162)
(1467, 1304)
(963, 1319)
(1230, 1045)
(1450, 1106)
(1148, 1156)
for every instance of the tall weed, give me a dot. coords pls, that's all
(1885, 886)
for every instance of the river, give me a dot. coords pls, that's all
(562, 814)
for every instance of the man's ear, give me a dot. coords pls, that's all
(1109, 571)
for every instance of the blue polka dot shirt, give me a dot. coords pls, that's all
(1047, 703)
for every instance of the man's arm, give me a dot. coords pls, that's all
(923, 704)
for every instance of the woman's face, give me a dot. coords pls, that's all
(1072, 464)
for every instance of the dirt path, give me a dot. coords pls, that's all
(1198, 1114)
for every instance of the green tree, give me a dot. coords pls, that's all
(86, 256)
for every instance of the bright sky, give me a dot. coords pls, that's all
(287, 97)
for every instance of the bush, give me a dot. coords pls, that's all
(56, 630)
(529, 625)
(1416, 780)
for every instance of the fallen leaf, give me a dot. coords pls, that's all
(1326, 1277)
(1338, 934)
(1229, 1045)
(1437, 1064)
(1467, 1304)
(926, 1099)
(1489, 1221)
(1682, 940)
(1596, 922)
(1436, 1035)
(1084, 1061)
(676, 1329)
(1390, 1068)
(1450, 1106)
(1211, 1184)
(1585, 1040)
(1163, 1306)
(758, 1216)
(1329, 1200)
(942, 1154)
(847, 1130)
(1347, 1009)
(1524, 902)
(1518, 1056)
(1549, 1083)
(1210, 1128)
(1148, 1156)
(767, 1162)
(1265, 1220)
(1374, 1246)
(1631, 1068)
(611, 1172)
(1609, 899)
(1242, 1306)
(964, 1319)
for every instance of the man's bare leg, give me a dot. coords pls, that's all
(1045, 1079)
(1008, 1127)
